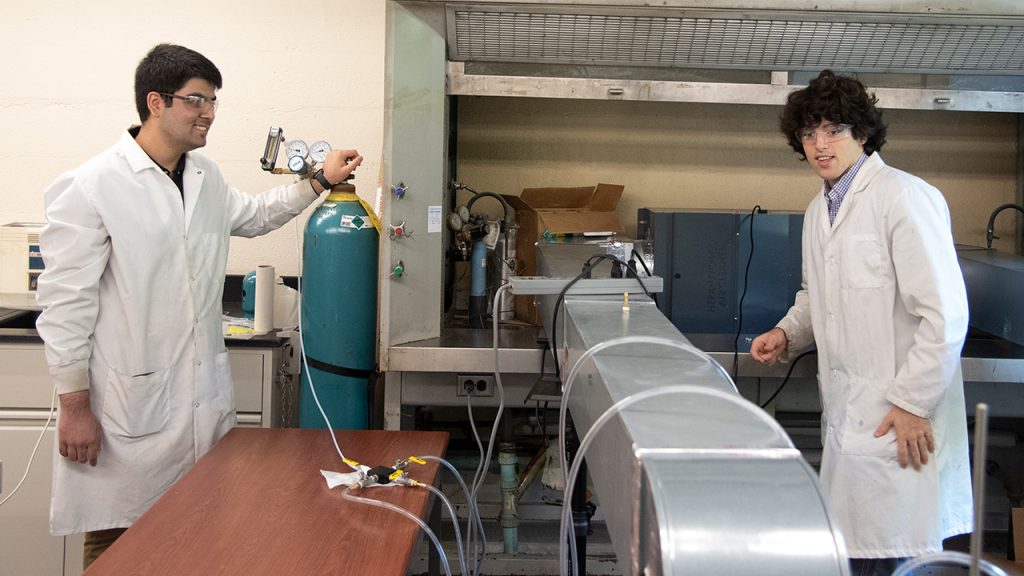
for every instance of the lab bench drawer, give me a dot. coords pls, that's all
(26, 381)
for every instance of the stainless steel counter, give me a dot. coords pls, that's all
(472, 350)
(18, 325)
(467, 350)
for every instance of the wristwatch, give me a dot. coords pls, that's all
(319, 176)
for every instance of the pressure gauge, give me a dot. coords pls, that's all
(463, 212)
(295, 148)
(297, 164)
(318, 150)
(454, 222)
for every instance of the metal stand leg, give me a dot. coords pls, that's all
(582, 511)
(581, 514)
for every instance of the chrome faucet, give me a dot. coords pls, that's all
(990, 234)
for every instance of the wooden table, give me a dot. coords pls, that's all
(257, 504)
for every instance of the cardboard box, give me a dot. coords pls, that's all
(556, 212)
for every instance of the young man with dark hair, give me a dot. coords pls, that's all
(135, 251)
(883, 299)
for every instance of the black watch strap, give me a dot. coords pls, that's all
(319, 176)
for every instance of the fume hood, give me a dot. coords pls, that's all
(940, 55)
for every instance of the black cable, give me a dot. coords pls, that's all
(619, 261)
(558, 304)
(541, 418)
(642, 263)
(786, 379)
(544, 424)
(646, 271)
(543, 357)
(746, 276)
(588, 266)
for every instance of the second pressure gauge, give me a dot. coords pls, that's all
(318, 150)
(295, 148)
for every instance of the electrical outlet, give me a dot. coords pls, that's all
(474, 385)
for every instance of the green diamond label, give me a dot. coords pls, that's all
(355, 221)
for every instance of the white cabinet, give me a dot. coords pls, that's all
(26, 546)
(259, 397)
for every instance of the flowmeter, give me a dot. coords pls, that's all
(301, 158)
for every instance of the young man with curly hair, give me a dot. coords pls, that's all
(883, 300)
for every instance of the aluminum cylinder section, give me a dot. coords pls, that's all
(732, 516)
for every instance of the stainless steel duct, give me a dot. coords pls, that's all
(690, 483)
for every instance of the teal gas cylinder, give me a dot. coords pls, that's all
(339, 311)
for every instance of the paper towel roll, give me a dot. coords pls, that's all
(263, 321)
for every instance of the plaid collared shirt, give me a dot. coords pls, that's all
(834, 194)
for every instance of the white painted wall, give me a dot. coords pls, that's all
(315, 68)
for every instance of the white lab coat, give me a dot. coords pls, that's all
(131, 297)
(884, 300)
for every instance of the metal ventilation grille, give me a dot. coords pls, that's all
(724, 42)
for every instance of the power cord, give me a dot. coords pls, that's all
(302, 350)
(640, 259)
(28, 467)
(484, 465)
(647, 270)
(746, 275)
(786, 379)
(471, 493)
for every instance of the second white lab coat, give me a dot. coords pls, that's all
(884, 300)
(132, 294)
